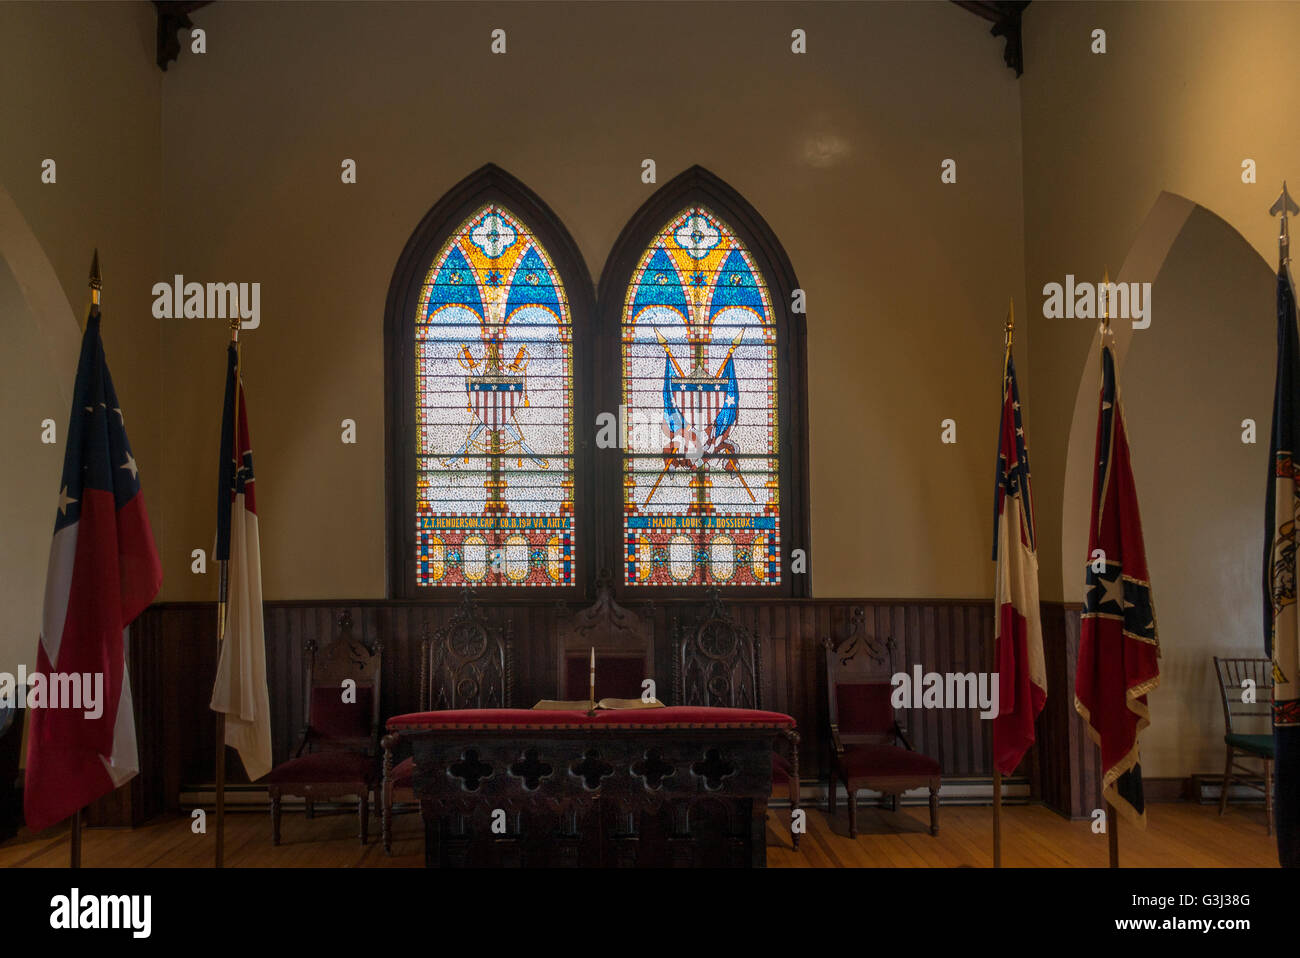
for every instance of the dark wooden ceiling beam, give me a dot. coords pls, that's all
(1005, 17)
(173, 17)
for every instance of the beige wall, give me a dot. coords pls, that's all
(226, 169)
(78, 85)
(1185, 93)
(907, 280)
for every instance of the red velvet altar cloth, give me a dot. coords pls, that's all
(526, 719)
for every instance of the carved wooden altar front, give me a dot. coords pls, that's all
(686, 791)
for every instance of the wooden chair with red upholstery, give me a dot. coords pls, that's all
(716, 664)
(338, 752)
(465, 664)
(868, 748)
(624, 644)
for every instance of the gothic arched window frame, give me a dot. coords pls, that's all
(699, 187)
(487, 185)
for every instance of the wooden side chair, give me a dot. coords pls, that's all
(1242, 721)
(338, 752)
(868, 748)
(716, 664)
(466, 664)
(624, 644)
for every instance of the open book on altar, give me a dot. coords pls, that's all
(585, 705)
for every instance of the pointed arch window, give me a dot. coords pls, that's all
(484, 472)
(710, 378)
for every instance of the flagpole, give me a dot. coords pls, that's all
(223, 595)
(997, 775)
(1112, 833)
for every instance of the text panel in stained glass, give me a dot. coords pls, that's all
(494, 412)
(701, 468)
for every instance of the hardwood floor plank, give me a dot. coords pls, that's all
(1179, 835)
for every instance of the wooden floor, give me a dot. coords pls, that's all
(1177, 835)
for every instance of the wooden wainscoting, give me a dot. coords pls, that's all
(173, 649)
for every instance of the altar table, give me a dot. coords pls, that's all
(642, 787)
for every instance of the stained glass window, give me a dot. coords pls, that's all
(494, 412)
(701, 468)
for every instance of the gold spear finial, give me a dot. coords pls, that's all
(1102, 295)
(96, 283)
(1286, 206)
(1011, 320)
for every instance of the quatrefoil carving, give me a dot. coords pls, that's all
(592, 769)
(531, 769)
(713, 769)
(470, 770)
(653, 769)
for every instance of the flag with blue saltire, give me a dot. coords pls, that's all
(1119, 650)
(240, 689)
(1018, 641)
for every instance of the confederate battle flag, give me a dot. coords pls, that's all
(103, 572)
(1022, 675)
(1118, 649)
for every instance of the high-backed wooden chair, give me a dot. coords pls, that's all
(624, 644)
(1247, 726)
(338, 752)
(716, 664)
(466, 664)
(868, 748)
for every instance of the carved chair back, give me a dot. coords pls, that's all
(342, 714)
(624, 644)
(467, 663)
(858, 671)
(716, 661)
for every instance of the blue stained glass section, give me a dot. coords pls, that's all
(736, 286)
(660, 285)
(532, 285)
(455, 284)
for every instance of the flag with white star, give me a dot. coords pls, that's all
(240, 689)
(1018, 641)
(103, 572)
(1281, 621)
(1118, 649)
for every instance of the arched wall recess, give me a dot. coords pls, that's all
(37, 368)
(1188, 381)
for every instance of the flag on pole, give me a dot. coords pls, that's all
(1022, 674)
(240, 688)
(1281, 622)
(1118, 648)
(103, 572)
